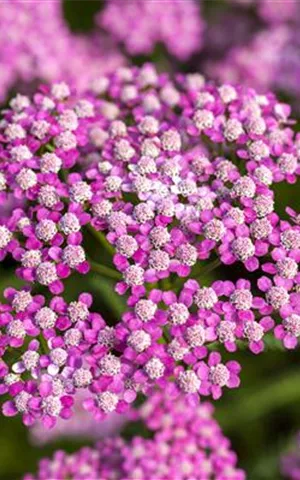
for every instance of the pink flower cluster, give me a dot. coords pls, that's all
(37, 46)
(266, 58)
(140, 25)
(269, 60)
(186, 443)
(80, 426)
(175, 176)
(271, 11)
(54, 361)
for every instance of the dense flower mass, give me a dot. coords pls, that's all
(174, 177)
(270, 11)
(149, 238)
(270, 60)
(263, 51)
(186, 443)
(140, 26)
(39, 46)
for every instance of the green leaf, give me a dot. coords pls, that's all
(105, 289)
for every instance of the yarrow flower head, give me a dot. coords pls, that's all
(34, 52)
(177, 181)
(62, 337)
(268, 60)
(176, 448)
(140, 26)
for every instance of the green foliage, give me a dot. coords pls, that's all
(80, 13)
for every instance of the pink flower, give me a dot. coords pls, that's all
(215, 375)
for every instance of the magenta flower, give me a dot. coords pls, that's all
(147, 165)
(201, 448)
(289, 331)
(215, 375)
(35, 52)
(274, 51)
(140, 26)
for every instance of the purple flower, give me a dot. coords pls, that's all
(140, 26)
(208, 453)
(173, 177)
(215, 375)
(43, 56)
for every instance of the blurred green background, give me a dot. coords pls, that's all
(261, 418)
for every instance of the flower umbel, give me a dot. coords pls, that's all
(171, 177)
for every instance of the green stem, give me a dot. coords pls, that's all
(105, 271)
(165, 337)
(207, 269)
(43, 344)
(49, 147)
(101, 239)
(166, 284)
(104, 288)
